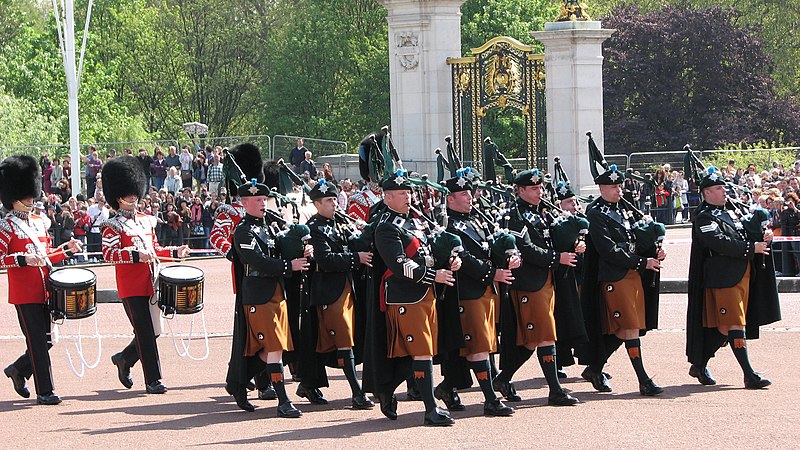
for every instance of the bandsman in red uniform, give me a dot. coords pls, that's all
(129, 242)
(26, 252)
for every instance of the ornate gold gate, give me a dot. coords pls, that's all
(502, 73)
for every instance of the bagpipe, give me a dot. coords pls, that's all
(648, 234)
(754, 219)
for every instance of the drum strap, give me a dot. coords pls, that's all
(155, 266)
(30, 234)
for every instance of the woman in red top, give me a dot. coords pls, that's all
(129, 242)
(25, 250)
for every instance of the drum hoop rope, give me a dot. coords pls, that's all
(185, 352)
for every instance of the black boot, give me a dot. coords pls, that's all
(18, 380)
(703, 375)
(240, 395)
(449, 396)
(123, 370)
(388, 403)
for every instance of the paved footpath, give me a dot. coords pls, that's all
(196, 412)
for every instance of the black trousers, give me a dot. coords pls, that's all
(144, 339)
(34, 320)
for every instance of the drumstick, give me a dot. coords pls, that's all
(169, 259)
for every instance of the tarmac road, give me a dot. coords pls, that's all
(98, 412)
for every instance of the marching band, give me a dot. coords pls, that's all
(414, 273)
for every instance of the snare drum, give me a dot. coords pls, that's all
(72, 293)
(180, 289)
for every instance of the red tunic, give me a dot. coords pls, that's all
(26, 284)
(122, 241)
(221, 234)
(361, 202)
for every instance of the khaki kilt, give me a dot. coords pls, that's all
(727, 306)
(268, 325)
(535, 321)
(336, 322)
(478, 323)
(624, 304)
(412, 329)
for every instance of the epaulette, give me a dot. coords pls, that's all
(6, 225)
(359, 198)
(113, 223)
(226, 209)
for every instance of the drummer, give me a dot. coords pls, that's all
(129, 241)
(26, 252)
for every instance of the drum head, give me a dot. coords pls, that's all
(182, 273)
(72, 276)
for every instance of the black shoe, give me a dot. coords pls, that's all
(587, 374)
(155, 388)
(288, 411)
(361, 401)
(241, 401)
(756, 381)
(649, 388)
(18, 380)
(413, 395)
(506, 389)
(702, 374)
(599, 381)
(496, 408)
(48, 399)
(561, 373)
(449, 397)
(313, 395)
(388, 404)
(561, 398)
(251, 386)
(268, 393)
(123, 370)
(438, 418)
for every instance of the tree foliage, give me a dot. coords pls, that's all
(679, 75)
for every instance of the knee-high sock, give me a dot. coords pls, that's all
(547, 359)
(423, 375)
(275, 371)
(347, 362)
(634, 347)
(739, 346)
(483, 373)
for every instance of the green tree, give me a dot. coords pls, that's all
(328, 76)
(682, 75)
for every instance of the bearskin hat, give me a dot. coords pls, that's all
(248, 158)
(363, 157)
(272, 175)
(20, 177)
(123, 176)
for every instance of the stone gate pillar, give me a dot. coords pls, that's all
(422, 35)
(573, 60)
